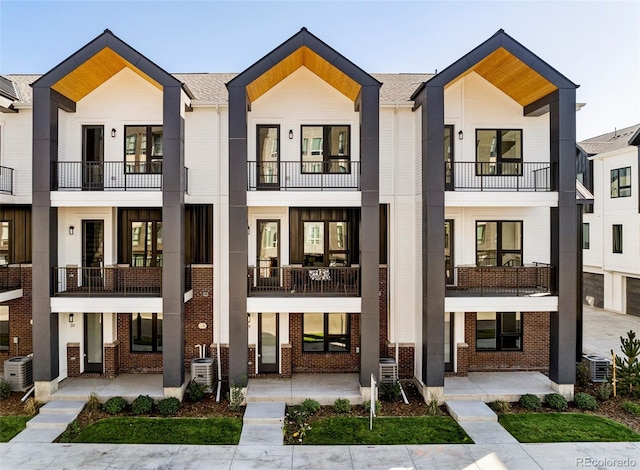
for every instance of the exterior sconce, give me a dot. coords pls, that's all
(290, 133)
(113, 132)
(71, 229)
(71, 318)
(460, 135)
(248, 319)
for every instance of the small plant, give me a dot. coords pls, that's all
(236, 397)
(142, 405)
(390, 392)
(631, 407)
(115, 405)
(628, 365)
(583, 376)
(310, 406)
(584, 401)
(31, 406)
(5, 389)
(529, 402)
(367, 406)
(195, 391)
(500, 406)
(93, 403)
(604, 391)
(168, 406)
(432, 407)
(556, 401)
(296, 423)
(70, 433)
(342, 405)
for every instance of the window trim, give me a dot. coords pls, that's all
(326, 240)
(154, 334)
(499, 250)
(616, 248)
(327, 338)
(154, 244)
(499, 334)
(617, 176)
(479, 165)
(327, 158)
(149, 159)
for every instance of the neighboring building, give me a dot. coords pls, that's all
(609, 165)
(306, 217)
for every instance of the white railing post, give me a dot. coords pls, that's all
(372, 403)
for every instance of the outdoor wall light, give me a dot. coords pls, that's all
(113, 132)
(290, 133)
(460, 135)
(71, 229)
(71, 318)
(248, 319)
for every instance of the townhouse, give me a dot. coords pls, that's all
(302, 216)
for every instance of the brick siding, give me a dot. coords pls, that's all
(20, 319)
(73, 359)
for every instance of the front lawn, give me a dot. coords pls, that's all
(200, 431)
(565, 427)
(12, 425)
(342, 430)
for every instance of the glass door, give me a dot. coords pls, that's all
(93, 342)
(268, 164)
(268, 261)
(92, 253)
(448, 252)
(92, 158)
(448, 159)
(448, 342)
(268, 343)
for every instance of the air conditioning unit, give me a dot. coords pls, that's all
(18, 371)
(388, 370)
(202, 371)
(599, 367)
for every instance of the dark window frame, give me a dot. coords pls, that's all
(8, 250)
(586, 235)
(326, 235)
(499, 250)
(154, 244)
(479, 167)
(327, 158)
(151, 164)
(5, 343)
(156, 334)
(499, 334)
(328, 338)
(616, 239)
(615, 176)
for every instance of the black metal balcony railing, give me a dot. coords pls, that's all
(116, 281)
(109, 176)
(304, 281)
(504, 176)
(10, 277)
(6, 180)
(505, 281)
(342, 175)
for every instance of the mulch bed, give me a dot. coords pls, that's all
(12, 406)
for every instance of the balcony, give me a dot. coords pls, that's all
(10, 277)
(339, 175)
(109, 281)
(500, 176)
(6, 180)
(298, 281)
(501, 281)
(109, 176)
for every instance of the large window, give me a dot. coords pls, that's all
(498, 331)
(146, 243)
(325, 149)
(499, 243)
(616, 242)
(4, 242)
(585, 236)
(498, 152)
(143, 149)
(321, 250)
(325, 332)
(621, 182)
(4, 328)
(146, 332)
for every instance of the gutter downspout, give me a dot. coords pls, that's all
(216, 306)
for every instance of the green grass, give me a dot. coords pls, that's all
(565, 427)
(202, 431)
(344, 430)
(12, 425)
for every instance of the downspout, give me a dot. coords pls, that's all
(392, 291)
(216, 306)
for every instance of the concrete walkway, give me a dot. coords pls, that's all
(262, 425)
(491, 386)
(324, 388)
(479, 422)
(602, 330)
(53, 419)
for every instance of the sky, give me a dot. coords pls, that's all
(596, 44)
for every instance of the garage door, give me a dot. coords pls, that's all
(593, 289)
(633, 296)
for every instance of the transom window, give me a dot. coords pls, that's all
(143, 149)
(499, 243)
(146, 332)
(621, 182)
(498, 152)
(498, 331)
(146, 243)
(325, 332)
(325, 149)
(320, 250)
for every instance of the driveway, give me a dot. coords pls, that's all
(602, 330)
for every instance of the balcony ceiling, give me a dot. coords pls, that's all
(512, 76)
(303, 57)
(94, 72)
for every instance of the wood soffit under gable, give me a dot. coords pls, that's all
(94, 72)
(512, 76)
(303, 57)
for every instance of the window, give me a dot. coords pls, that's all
(325, 332)
(4, 328)
(329, 149)
(146, 243)
(498, 152)
(4, 242)
(143, 149)
(146, 332)
(499, 243)
(621, 182)
(326, 251)
(498, 331)
(616, 243)
(585, 236)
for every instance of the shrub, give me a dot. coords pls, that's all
(500, 406)
(631, 407)
(93, 403)
(32, 406)
(432, 407)
(310, 406)
(628, 365)
(583, 375)
(556, 401)
(584, 401)
(142, 405)
(529, 402)
(342, 405)
(195, 391)
(236, 397)
(604, 391)
(5, 389)
(168, 406)
(390, 392)
(115, 405)
(367, 406)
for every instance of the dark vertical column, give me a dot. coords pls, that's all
(433, 282)
(45, 235)
(238, 242)
(564, 250)
(579, 292)
(173, 242)
(370, 230)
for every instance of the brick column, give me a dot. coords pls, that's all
(462, 351)
(285, 360)
(111, 359)
(73, 359)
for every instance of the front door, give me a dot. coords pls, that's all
(93, 342)
(449, 163)
(448, 341)
(448, 252)
(268, 343)
(92, 158)
(268, 253)
(92, 253)
(268, 157)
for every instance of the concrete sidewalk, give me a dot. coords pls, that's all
(472, 457)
